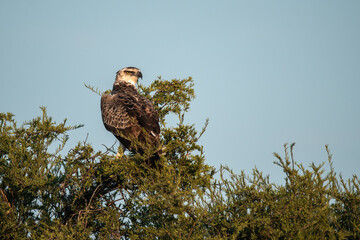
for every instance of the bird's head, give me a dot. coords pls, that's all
(128, 74)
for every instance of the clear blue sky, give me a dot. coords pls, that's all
(266, 72)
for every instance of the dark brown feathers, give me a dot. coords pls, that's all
(130, 117)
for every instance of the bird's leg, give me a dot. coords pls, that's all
(120, 152)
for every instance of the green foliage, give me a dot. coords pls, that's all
(306, 207)
(86, 194)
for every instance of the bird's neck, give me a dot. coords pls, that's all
(127, 79)
(118, 85)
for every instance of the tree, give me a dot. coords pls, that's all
(86, 194)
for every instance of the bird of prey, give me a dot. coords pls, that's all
(129, 116)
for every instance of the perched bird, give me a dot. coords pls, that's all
(129, 116)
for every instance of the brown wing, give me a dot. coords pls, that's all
(129, 115)
(144, 111)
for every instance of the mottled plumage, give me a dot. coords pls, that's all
(129, 116)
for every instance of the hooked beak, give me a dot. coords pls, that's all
(139, 75)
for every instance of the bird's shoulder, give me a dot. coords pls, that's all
(127, 101)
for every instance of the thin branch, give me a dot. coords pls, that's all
(5, 198)
(95, 90)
